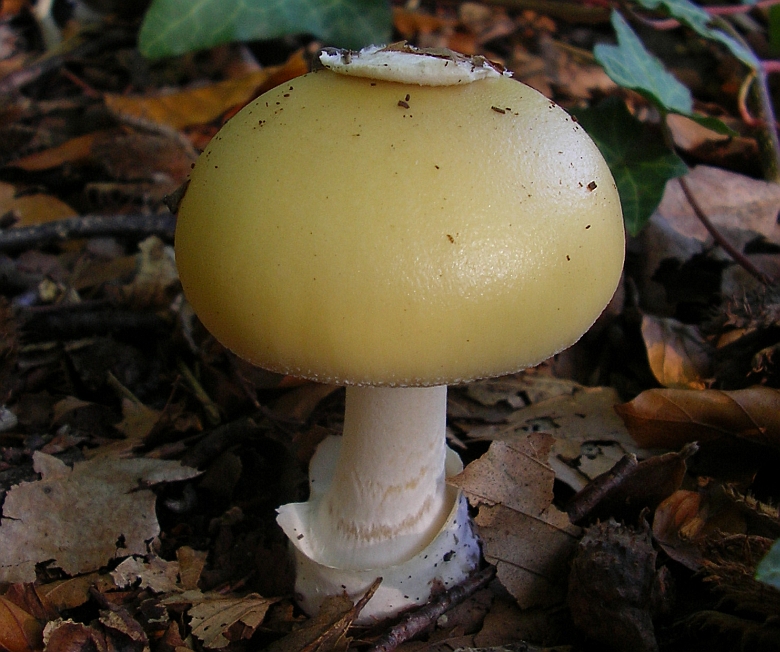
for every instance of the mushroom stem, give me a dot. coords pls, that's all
(387, 499)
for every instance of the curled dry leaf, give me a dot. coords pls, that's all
(523, 534)
(679, 356)
(76, 150)
(66, 635)
(687, 520)
(670, 418)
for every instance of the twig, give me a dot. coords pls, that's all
(81, 45)
(210, 408)
(768, 141)
(419, 620)
(69, 322)
(724, 244)
(588, 498)
(219, 440)
(41, 235)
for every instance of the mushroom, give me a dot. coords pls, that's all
(396, 221)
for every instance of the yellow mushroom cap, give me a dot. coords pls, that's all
(352, 230)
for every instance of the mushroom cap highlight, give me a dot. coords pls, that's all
(356, 231)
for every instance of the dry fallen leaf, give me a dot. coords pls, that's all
(733, 202)
(79, 519)
(19, 630)
(155, 278)
(36, 208)
(689, 135)
(523, 534)
(741, 208)
(323, 632)
(74, 592)
(112, 632)
(679, 356)
(154, 573)
(630, 487)
(216, 619)
(189, 107)
(137, 420)
(204, 104)
(589, 437)
(670, 418)
(191, 565)
(75, 150)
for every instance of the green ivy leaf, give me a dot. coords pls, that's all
(172, 27)
(768, 570)
(699, 20)
(630, 65)
(715, 124)
(636, 155)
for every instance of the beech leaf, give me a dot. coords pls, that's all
(679, 356)
(669, 418)
(523, 533)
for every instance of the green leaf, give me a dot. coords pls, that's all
(637, 156)
(768, 570)
(699, 20)
(172, 27)
(630, 65)
(715, 124)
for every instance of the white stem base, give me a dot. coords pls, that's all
(444, 562)
(379, 505)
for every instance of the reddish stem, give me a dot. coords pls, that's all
(724, 244)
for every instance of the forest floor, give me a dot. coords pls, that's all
(141, 463)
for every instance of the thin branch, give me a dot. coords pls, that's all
(724, 244)
(90, 226)
(421, 619)
(85, 43)
(768, 141)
